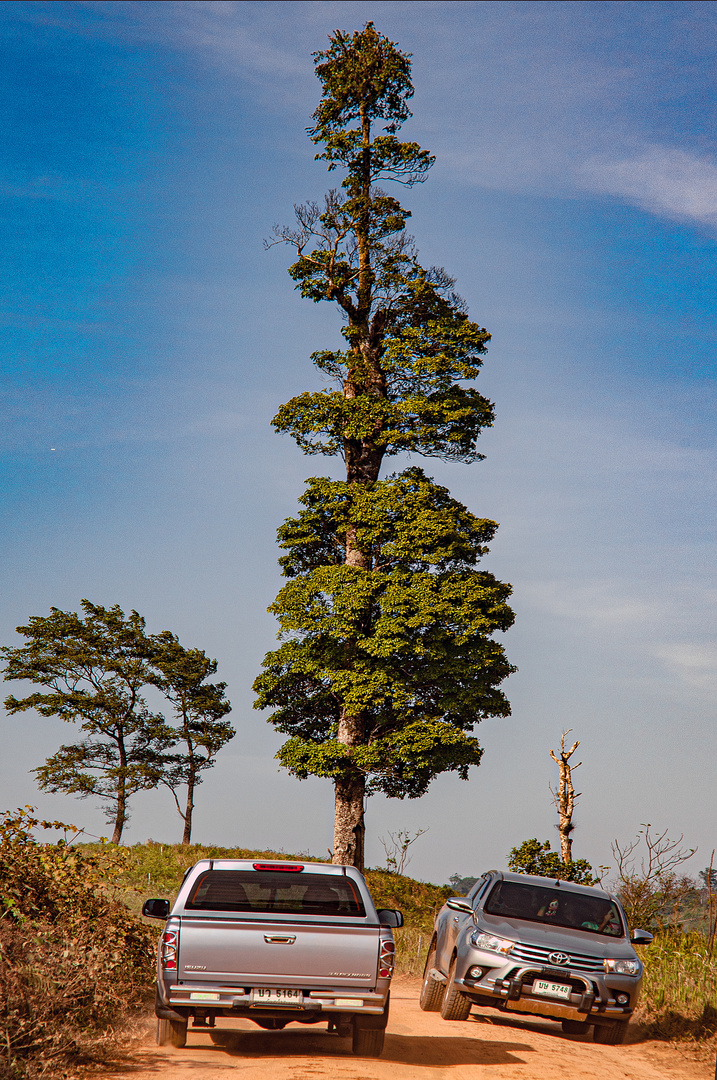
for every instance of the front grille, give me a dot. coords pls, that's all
(536, 954)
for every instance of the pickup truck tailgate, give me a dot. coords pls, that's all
(242, 952)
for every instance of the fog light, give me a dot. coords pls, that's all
(622, 999)
(476, 973)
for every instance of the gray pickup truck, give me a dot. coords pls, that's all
(274, 942)
(540, 947)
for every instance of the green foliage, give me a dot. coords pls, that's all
(406, 644)
(199, 708)
(73, 961)
(93, 669)
(423, 408)
(532, 857)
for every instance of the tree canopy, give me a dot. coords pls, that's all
(532, 857)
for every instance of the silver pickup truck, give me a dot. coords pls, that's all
(274, 942)
(540, 947)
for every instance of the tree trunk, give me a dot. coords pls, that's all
(350, 791)
(565, 797)
(187, 815)
(349, 829)
(121, 815)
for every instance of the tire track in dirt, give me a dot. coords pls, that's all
(419, 1046)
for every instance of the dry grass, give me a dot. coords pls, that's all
(679, 997)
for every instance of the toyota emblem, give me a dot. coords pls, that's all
(558, 958)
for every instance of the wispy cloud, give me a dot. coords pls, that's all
(662, 179)
(694, 664)
(603, 604)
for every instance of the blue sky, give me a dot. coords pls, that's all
(148, 339)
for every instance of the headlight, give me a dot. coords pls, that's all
(492, 944)
(623, 967)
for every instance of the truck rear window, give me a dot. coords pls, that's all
(275, 893)
(557, 907)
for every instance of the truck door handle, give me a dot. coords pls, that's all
(276, 939)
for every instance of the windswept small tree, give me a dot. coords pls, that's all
(93, 670)
(199, 708)
(388, 658)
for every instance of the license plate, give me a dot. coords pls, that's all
(551, 989)
(277, 997)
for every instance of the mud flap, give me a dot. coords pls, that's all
(165, 1013)
(373, 1022)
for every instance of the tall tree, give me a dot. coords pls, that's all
(93, 669)
(388, 660)
(199, 708)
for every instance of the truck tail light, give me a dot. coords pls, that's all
(287, 868)
(386, 959)
(169, 950)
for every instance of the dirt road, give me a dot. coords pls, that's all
(419, 1046)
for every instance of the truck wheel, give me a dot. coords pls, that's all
(576, 1027)
(171, 1033)
(367, 1042)
(611, 1034)
(432, 990)
(455, 1006)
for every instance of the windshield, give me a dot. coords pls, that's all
(267, 892)
(555, 906)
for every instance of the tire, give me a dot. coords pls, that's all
(171, 1033)
(432, 990)
(576, 1027)
(611, 1034)
(367, 1042)
(454, 1006)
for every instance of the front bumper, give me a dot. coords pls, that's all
(591, 999)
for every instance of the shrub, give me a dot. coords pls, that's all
(532, 857)
(73, 961)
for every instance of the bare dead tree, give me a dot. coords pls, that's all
(648, 885)
(397, 857)
(564, 798)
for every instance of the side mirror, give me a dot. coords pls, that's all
(389, 917)
(641, 937)
(155, 909)
(459, 903)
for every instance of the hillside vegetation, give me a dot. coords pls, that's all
(77, 960)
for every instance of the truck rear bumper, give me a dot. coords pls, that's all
(185, 1000)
